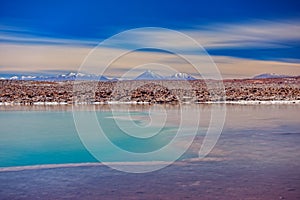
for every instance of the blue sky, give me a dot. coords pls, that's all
(261, 32)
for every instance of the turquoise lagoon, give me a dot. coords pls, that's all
(47, 135)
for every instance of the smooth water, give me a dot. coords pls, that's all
(39, 137)
(48, 136)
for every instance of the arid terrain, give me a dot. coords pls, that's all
(196, 91)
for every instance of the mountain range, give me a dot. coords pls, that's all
(61, 77)
(147, 75)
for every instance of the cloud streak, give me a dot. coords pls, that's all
(253, 33)
(259, 33)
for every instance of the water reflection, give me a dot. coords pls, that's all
(33, 135)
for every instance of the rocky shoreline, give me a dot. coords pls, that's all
(150, 92)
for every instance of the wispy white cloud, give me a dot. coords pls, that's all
(16, 35)
(258, 33)
(6, 38)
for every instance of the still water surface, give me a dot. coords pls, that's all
(47, 135)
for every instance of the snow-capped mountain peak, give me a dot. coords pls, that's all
(14, 78)
(71, 74)
(60, 77)
(149, 75)
(80, 76)
(27, 77)
(75, 74)
(182, 76)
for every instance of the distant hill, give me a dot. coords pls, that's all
(268, 75)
